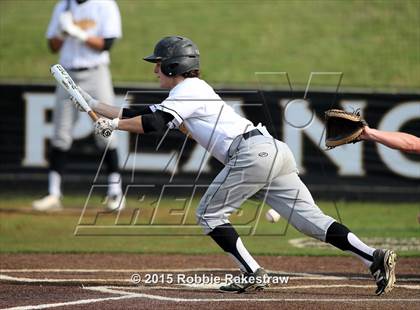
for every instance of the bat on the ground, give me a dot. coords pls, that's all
(64, 79)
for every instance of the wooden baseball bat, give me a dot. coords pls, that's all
(64, 79)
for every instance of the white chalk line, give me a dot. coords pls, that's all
(297, 287)
(178, 299)
(70, 303)
(46, 280)
(295, 275)
(195, 287)
(129, 295)
(186, 300)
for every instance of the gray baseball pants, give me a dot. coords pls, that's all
(266, 167)
(96, 82)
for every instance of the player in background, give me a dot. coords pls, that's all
(396, 140)
(83, 31)
(255, 163)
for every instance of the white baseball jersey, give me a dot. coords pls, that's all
(210, 121)
(98, 18)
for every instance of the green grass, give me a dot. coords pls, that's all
(23, 232)
(374, 43)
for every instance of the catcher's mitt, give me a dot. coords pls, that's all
(343, 127)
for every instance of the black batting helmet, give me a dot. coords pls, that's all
(176, 54)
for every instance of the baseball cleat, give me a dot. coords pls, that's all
(48, 203)
(383, 270)
(115, 202)
(257, 281)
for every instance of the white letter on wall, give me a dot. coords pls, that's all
(36, 129)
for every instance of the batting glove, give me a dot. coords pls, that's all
(105, 127)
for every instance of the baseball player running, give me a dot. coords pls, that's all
(83, 31)
(255, 163)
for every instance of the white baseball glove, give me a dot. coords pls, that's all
(68, 26)
(105, 127)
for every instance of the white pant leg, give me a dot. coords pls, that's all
(290, 197)
(248, 170)
(64, 116)
(98, 83)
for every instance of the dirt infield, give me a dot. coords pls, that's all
(106, 281)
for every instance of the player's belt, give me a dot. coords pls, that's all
(252, 133)
(82, 69)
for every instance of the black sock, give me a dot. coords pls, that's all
(341, 237)
(111, 161)
(228, 239)
(58, 160)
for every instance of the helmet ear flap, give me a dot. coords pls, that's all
(169, 68)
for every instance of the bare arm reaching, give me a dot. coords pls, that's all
(396, 140)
